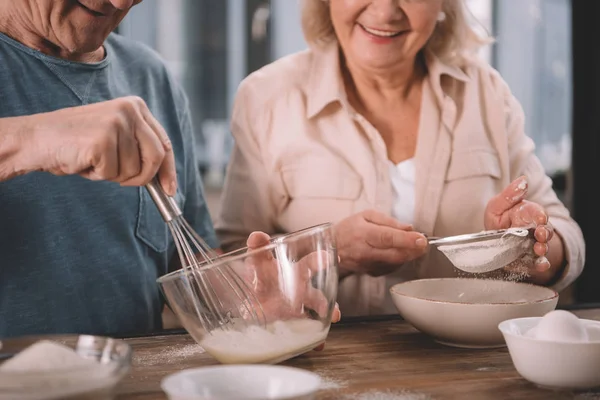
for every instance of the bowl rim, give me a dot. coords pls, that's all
(553, 294)
(124, 363)
(306, 390)
(245, 251)
(502, 328)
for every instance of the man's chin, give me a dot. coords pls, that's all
(88, 45)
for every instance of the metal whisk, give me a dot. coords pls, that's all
(190, 246)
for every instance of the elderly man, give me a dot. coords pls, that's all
(86, 117)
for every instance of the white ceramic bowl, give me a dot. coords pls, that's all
(242, 382)
(553, 364)
(464, 312)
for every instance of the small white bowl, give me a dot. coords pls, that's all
(242, 382)
(553, 364)
(463, 312)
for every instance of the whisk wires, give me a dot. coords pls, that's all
(190, 246)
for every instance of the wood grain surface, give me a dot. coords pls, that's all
(382, 358)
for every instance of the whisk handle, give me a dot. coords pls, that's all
(166, 205)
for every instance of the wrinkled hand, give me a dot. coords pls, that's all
(267, 284)
(117, 140)
(510, 209)
(373, 243)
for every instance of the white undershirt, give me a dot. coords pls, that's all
(402, 176)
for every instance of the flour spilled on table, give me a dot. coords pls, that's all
(170, 355)
(387, 395)
(328, 383)
(587, 396)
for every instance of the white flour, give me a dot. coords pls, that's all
(35, 373)
(516, 271)
(387, 395)
(488, 293)
(254, 344)
(332, 384)
(170, 355)
(489, 255)
(587, 396)
(46, 356)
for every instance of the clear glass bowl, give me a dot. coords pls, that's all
(89, 382)
(263, 305)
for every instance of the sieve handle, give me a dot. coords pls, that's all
(431, 238)
(478, 237)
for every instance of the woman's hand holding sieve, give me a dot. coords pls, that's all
(510, 209)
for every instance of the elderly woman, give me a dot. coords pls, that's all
(390, 127)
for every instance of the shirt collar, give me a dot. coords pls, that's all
(325, 83)
(437, 69)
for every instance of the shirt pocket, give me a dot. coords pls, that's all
(151, 228)
(473, 163)
(321, 180)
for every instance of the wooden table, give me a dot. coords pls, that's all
(382, 359)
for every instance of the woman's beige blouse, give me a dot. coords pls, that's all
(302, 157)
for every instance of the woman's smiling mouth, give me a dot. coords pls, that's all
(381, 33)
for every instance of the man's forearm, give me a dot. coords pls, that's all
(13, 147)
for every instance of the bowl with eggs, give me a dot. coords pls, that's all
(557, 351)
(465, 312)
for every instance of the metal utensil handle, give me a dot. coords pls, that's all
(470, 238)
(166, 205)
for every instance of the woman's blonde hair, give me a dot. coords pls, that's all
(451, 40)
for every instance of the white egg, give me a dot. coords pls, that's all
(559, 326)
(593, 331)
